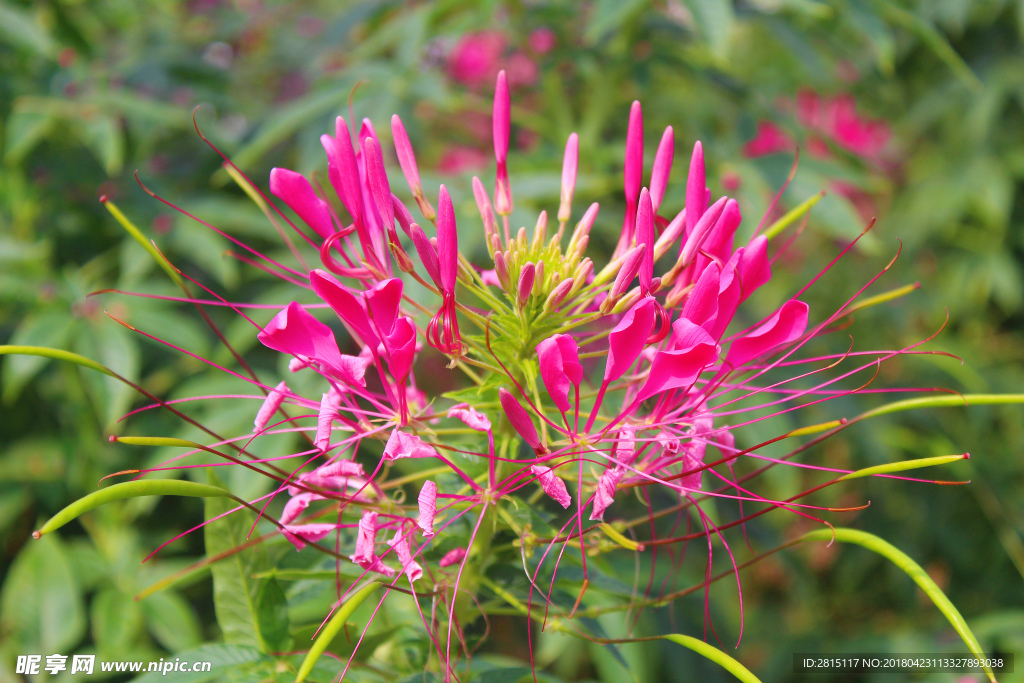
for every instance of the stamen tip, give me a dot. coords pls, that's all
(37, 535)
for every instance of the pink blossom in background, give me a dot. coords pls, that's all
(521, 70)
(460, 159)
(769, 139)
(542, 40)
(474, 59)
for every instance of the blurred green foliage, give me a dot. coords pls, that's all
(91, 91)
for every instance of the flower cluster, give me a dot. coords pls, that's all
(583, 383)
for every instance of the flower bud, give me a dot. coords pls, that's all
(662, 167)
(701, 231)
(525, 287)
(538, 279)
(483, 203)
(569, 165)
(583, 227)
(502, 127)
(583, 272)
(628, 269)
(520, 420)
(558, 294)
(696, 195)
(407, 160)
(501, 269)
(540, 231)
(670, 234)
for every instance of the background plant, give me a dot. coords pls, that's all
(945, 77)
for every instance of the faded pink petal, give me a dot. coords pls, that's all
(294, 190)
(298, 533)
(340, 468)
(519, 419)
(696, 188)
(625, 448)
(428, 508)
(453, 557)
(270, 405)
(605, 495)
(697, 350)
(472, 418)
(552, 485)
(328, 409)
(296, 332)
(662, 167)
(402, 445)
(628, 338)
(296, 505)
(788, 323)
(560, 368)
(366, 539)
(522, 71)
(411, 567)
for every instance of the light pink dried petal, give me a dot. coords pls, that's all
(402, 445)
(428, 508)
(323, 422)
(552, 485)
(454, 556)
(401, 544)
(473, 419)
(605, 495)
(270, 405)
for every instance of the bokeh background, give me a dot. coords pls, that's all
(909, 111)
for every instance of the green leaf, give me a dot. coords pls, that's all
(329, 631)
(115, 621)
(170, 620)
(234, 590)
(50, 328)
(272, 608)
(607, 15)
(715, 19)
(41, 604)
(224, 660)
(18, 28)
(25, 129)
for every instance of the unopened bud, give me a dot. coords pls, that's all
(401, 258)
(628, 269)
(677, 296)
(626, 302)
(558, 294)
(539, 277)
(520, 420)
(701, 231)
(670, 234)
(583, 272)
(525, 288)
(581, 246)
(521, 238)
(483, 204)
(583, 227)
(570, 163)
(540, 231)
(501, 269)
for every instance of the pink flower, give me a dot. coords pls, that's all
(458, 159)
(366, 538)
(560, 368)
(769, 139)
(474, 59)
(542, 40)
(411, 567)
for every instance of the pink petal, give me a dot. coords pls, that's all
(411, 567)
(632, 261)
(634, 163)
(296, 332)
(427, 253)
(645, 237)
(428, 508)
(552, 485)
(296, 505)
(453, 557)
(696, 195)
(270, 405)
(342, 170)
(401, 344)
(662, 167)
(788, 323)
(501, 118)
(628, 338)
(366, 538)
(351, 308)
(680, 368)
(625, 448)
(377, 177)
(560, 368)
(341, 468)
(472, 418)
(297, 533)
(605, 495)
(519, 419)
(702, 230)
(483, 204)
(447, 241)
(382, 302)
(294, 190)
(525, 285)
(702, 305)
(328, 410)
(754, 267)
(402, 445)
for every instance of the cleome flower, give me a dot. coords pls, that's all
(600, 388)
